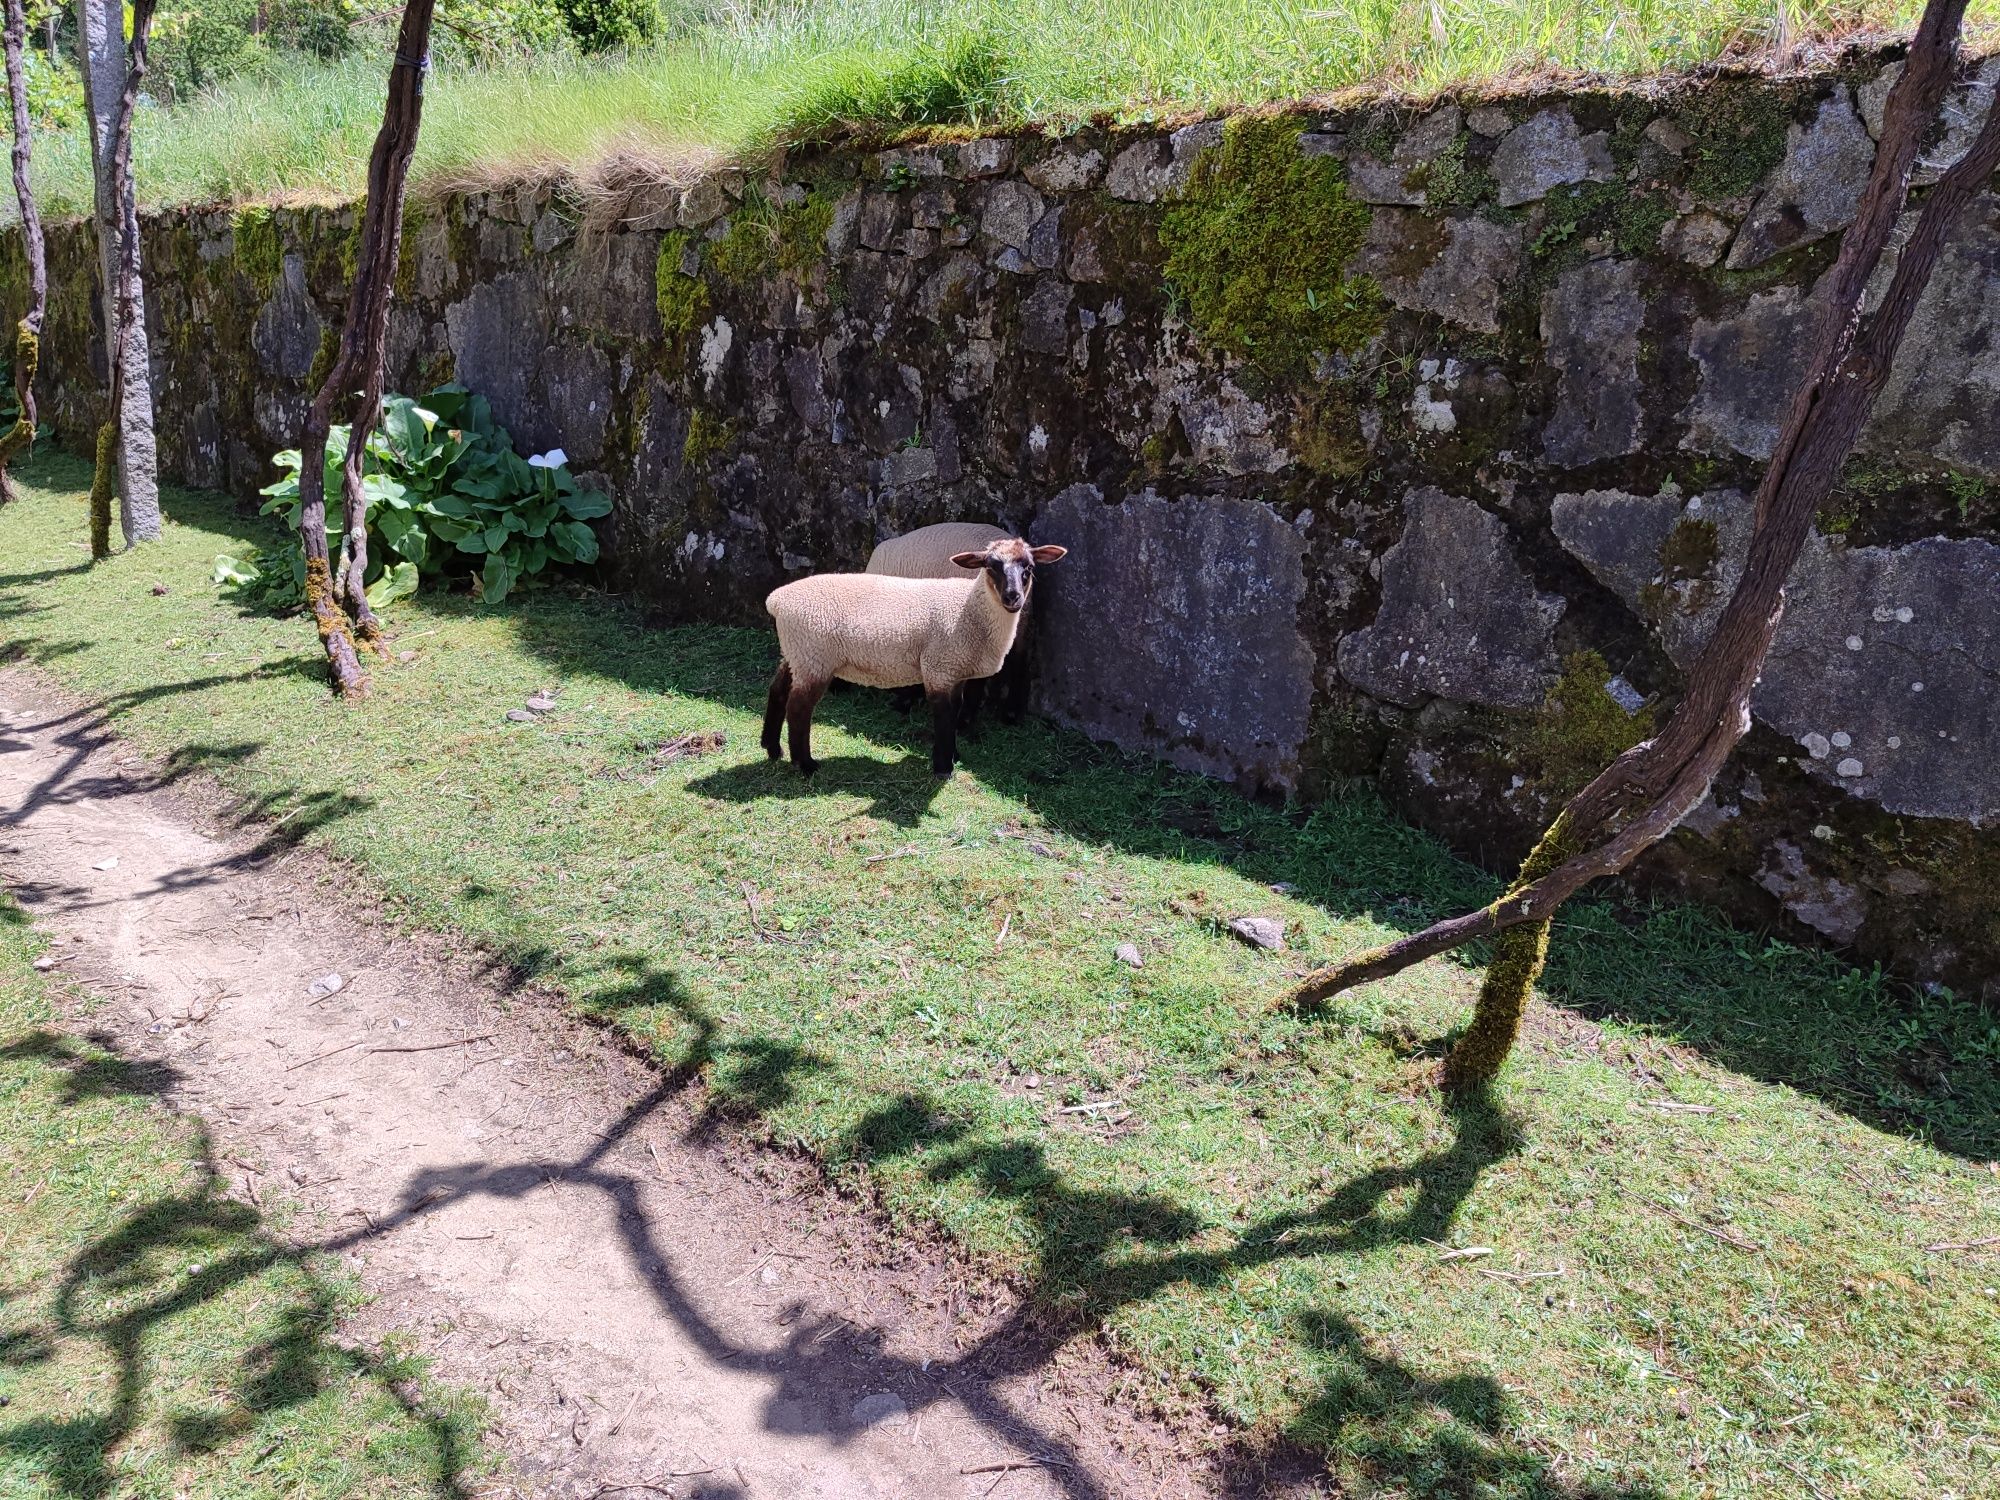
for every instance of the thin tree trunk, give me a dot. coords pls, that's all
(110, 94)
(28, 339)
(340, 604)
(1646, 792)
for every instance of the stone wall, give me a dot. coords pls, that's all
(1408, 446)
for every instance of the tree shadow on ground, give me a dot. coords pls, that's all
(1674, 970)
(169, 1256)
(1092, 1252)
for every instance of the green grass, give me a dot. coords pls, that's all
(157, 1338)
(777, 70)
(1267, 1226)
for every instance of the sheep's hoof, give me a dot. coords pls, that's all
(807, 767)
(774, 752)
(942, 771)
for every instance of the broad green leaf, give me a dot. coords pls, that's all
(234, 570)
(398, 582)
(496, 578)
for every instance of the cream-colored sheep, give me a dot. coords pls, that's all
(890, 632)
(927, 552)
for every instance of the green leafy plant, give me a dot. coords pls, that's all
(445, 491)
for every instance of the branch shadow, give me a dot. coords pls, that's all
(1092, 1253)
(170, 1255)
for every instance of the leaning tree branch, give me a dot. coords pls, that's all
(28, 338)
(340, 607)
(126, 270)
(1646, 792)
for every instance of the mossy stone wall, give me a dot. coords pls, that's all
(1221, 359)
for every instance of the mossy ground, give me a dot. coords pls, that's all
(159, 1337)
(1267, 1225)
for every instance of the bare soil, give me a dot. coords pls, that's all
(652, 1304)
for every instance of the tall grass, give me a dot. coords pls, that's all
(763, 71)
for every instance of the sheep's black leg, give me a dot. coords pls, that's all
(903, 699)
(774, 711)
(972, 694)
(944, 729)
(799, 715)
(1013, 679)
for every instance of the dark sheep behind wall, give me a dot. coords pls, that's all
(1453, 536)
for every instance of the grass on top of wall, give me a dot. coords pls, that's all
(784, 70)
(1710, 1184)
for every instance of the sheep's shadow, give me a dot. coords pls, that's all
(900, 794)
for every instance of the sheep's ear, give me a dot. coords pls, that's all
(973, 560)
(1049, 554)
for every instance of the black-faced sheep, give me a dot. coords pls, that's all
(889, 632)
(927, 552)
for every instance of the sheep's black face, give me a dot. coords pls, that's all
(1011, 578)
(1010, 570)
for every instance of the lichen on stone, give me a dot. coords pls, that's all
(1258, 245)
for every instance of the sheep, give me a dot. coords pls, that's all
(883, 631)
(927, 552)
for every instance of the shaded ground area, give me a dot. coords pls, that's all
(1707, 1214)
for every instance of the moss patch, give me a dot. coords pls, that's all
(1581, 729)
(1687, 569)
(1326, 434)
(1258, 243)
(259, 248)
(765, 237)
(707, 435)
(1575, 217)
(1452, 179)
(681, 294)
(1737, 130)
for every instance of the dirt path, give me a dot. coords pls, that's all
(640, 1298)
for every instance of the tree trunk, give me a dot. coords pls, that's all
(28, 339)
(339, 601)
(1646, 792)
(108, 82)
